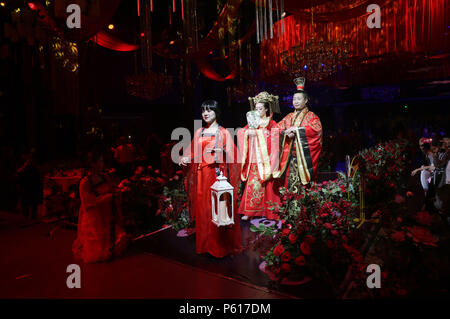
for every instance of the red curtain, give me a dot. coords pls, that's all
(408, 26)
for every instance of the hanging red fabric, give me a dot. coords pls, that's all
(401, 31)
(182, 10)
(208, 71)
(108, 41)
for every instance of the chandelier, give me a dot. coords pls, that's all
(317, 60)
(149, 85)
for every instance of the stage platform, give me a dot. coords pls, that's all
(243, 267)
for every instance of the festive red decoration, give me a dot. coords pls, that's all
(109, 41)
(408, 26)
(208, 44)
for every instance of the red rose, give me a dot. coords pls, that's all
(285, 232)
(293, 238)
(424, 218)
(398, 236)
(300, 261)
(422, 235)
(278, 250)
(275, 270)
(285, 268)
(328, 225)
(286, 257)
(309, 239)
(334, 232)
(306, 250)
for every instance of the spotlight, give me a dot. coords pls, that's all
(111, 26)
(171, 42)
(2, 4)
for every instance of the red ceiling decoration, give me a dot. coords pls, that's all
(408, 27)
(111, 42)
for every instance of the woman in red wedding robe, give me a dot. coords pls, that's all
(259, 158)
(100, 235)
(211, 151)
(301, 143)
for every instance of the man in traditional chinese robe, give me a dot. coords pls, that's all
(301, 143)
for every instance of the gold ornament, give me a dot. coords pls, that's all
(265, 97)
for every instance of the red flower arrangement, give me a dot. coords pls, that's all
(424, 218)
(422, 235)
(319, 233)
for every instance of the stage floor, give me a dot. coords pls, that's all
(243, 267)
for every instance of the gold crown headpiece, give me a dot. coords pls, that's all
(300, 83)
(265, 97)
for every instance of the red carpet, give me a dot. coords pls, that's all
(33, 265)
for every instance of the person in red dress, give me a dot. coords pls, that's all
(212, 151)
(260, 155)
(301, 144)
(100, 236)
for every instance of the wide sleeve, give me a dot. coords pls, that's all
(313, 130)
(284, 123)
(194, 151)
(233, 168)
(243, 151)
(273, 145)
(190, 173)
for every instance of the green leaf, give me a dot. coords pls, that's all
(254, 229)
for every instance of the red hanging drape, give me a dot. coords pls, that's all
(109, 41)
(408, 26)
